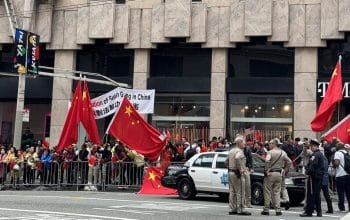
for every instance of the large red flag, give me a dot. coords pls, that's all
(69, 133)
(131, 129)
(151, 183)
(340, 131)
(87, 117)
(329, 102)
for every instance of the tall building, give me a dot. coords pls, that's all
(219, 67)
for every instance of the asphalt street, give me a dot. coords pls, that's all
(65, 205)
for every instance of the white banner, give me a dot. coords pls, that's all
(107, 104)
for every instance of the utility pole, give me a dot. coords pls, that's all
(27, 16)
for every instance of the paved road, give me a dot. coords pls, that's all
(35, 205)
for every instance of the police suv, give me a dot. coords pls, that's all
(207, 173)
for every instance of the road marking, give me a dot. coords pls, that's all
(183, 203)
(116, 200)
(118, 208)
(346, 217)
(67, 213)
(164, 207)
(47, 216)
(122, 210)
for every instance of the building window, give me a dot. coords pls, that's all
(183, 114)
(327, 59)
(6, 58)
(109, 60)
(120, 1)
(47, 58)
(260, 58)
(180, 60)
(271, 115)
(328, 56)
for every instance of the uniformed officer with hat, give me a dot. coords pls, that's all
(277, 163)
(314, 172)
(235, 163)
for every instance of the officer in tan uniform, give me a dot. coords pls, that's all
(276, 165)
(236, 167)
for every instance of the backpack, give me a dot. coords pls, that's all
(346, 166)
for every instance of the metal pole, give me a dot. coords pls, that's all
(28, 6)
(59, 70)
(19, 111)
(69, 76)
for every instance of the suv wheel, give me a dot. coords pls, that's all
(257, 193)
(186, 189)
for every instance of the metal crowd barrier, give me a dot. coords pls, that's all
(74, 175)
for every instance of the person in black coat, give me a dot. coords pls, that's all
(249, 164)
(83, 163)
(315, 172)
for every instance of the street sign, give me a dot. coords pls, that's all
(26, 115)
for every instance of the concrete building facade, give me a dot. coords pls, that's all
(67, 27)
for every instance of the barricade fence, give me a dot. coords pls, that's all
(74, 175)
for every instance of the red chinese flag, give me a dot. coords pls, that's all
(87, 117)
(340, 131)
(177, 138)
(131, 129)
(329, 102)
(69, 133)
(258, 135)
(151, 183)
(168, 135)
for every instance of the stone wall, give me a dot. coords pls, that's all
(138, 24)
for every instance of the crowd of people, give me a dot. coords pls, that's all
(38, 164)
(324, 165)
(89, 164)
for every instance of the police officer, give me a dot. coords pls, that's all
(236, 167)
(249, 164)
(314, 172)
(277, 163)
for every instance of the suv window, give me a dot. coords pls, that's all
(220, 161)
(205, 160)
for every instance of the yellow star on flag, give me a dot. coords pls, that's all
(152, 176)
(335, 72)
(128, 110)
(84, 95)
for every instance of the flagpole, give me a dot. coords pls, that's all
(340, 58)
(79, 125)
